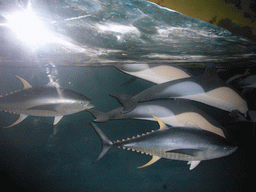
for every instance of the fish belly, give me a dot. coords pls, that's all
(189, 119)
(163, 154)
(160, 74)
(42, 113)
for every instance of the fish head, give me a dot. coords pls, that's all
(81, 105)
(221, 151)
(79, 101)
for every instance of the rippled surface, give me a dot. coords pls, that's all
(109, 32)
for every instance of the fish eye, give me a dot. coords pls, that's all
(225, 149)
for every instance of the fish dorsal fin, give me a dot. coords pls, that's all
(24, 82)
(247, 72)
(193, 164)
(162, 125)
(153, 160)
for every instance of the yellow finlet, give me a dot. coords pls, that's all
(153, 160)
(160, 122)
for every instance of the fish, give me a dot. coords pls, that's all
(43, 101)
(176, 143)
(172, 112)
(248, 81)
(237, 76)
(207, 88)
(154, 73)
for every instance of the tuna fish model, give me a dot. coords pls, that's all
(45, 101)
(177, 143)
(177, 113)
(154, 73)
(207, 88)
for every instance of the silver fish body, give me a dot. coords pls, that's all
(172, 112)
(206, 88)
(45, 101)
(154, 73)
(177, 143)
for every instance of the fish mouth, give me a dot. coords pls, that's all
(88, 106)
(232, 150)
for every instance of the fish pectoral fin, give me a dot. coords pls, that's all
(21, 118)
(162, 125)
(193, 164)
(48, 107)
(26, 85)
(153, 160)
(57, 119)
(191, 152)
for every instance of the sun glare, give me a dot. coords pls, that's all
(29, 28)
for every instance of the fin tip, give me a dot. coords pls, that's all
(153, 160)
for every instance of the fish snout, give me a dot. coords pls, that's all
(232, 150)
(87, 105)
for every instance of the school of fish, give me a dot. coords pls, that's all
(185, 132)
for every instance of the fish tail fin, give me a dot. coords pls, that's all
(129, 103)
(239, 117)
(106, 143)
(100, 116)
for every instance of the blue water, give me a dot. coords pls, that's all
(37, 156)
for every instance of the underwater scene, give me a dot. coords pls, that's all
(123, 96)
(40, 156)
